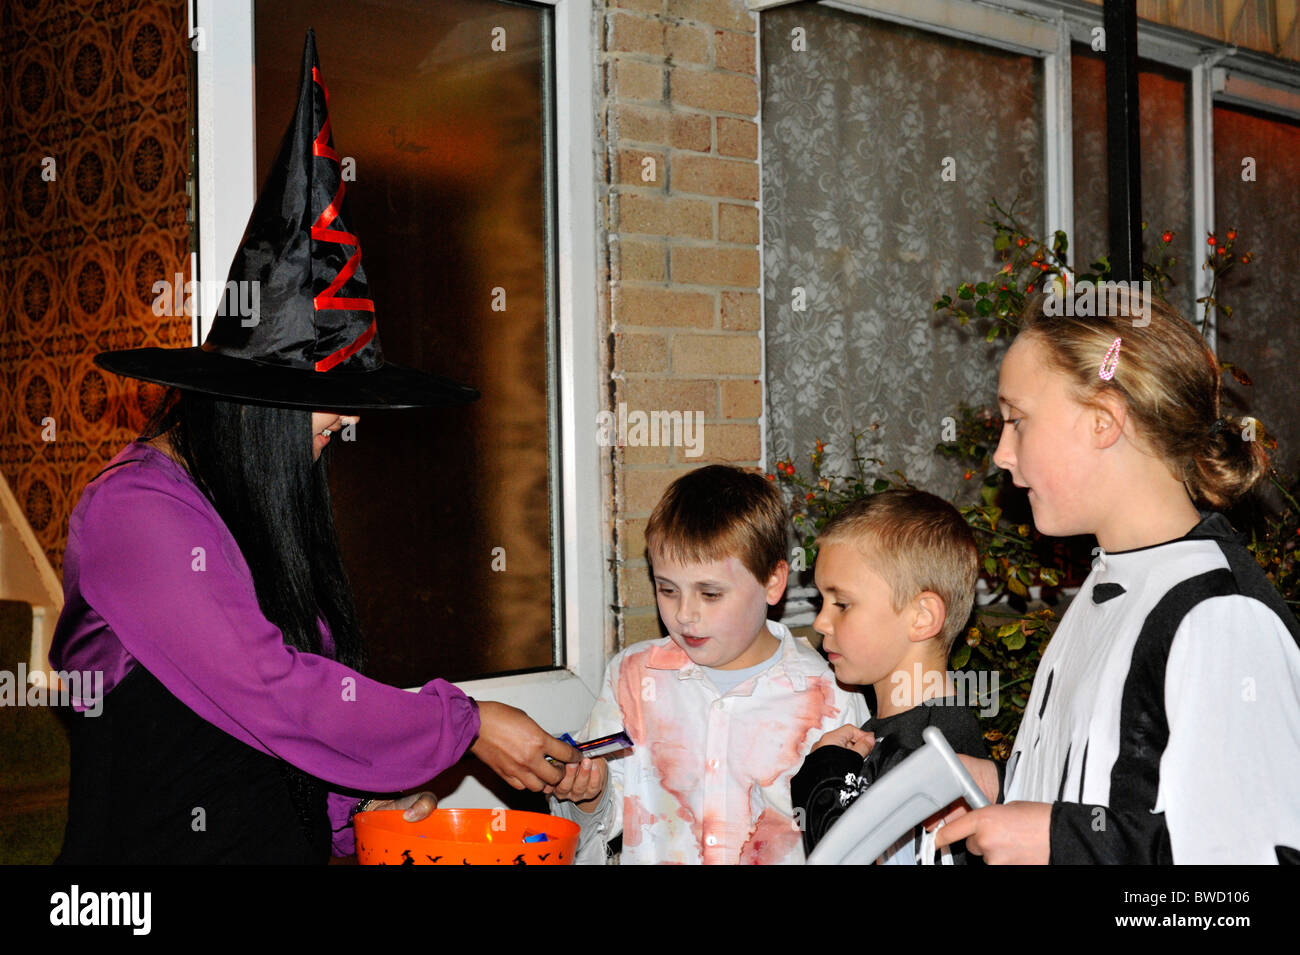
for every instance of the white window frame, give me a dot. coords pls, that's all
(558, 699)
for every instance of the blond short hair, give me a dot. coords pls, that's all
(916, 542)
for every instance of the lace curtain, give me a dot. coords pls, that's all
(858, 128)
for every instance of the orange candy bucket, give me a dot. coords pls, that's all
(465, 837)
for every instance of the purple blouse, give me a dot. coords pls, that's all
(151, 574)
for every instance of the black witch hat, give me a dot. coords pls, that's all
(309, 340)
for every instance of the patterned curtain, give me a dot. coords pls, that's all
(860, 119)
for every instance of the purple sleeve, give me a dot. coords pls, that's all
(160, 568)
(344, 839)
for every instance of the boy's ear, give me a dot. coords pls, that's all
(928, 618)
(1109, 416)
(776, 583)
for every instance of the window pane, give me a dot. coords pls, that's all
(449, 204)
(856, 131)
(1263, 334)
(1165, 134)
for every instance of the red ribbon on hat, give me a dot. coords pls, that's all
(320, 230)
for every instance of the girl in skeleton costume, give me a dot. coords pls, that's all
(1164, 721)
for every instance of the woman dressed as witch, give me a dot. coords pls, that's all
(202, 574)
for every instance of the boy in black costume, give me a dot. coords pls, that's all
(897, 576)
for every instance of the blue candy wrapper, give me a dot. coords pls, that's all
(604, 746)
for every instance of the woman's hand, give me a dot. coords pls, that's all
(1018, 833)
(850, 737)
(582, 783)
(516, 748)
(417, 805)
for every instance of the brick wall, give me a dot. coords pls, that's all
(679, 111)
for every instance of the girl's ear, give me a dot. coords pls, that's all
(1110, 414)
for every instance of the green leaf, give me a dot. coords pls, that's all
(1060, 243)
(992, 333)
(965, 291)
(1016, 587)
(1014, 641)
(1001, 242)
(879, 485)
(982, 288)
(960, 657)
(1049, 576)
(1007, 629)
(984, 307)
(990, 565)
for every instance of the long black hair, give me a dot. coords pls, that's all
(255, 465)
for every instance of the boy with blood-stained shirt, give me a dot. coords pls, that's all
(723, 710)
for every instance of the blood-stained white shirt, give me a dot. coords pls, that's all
(708, 779)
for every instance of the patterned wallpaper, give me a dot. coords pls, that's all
(93, 159)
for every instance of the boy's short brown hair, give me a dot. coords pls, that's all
(916, 542)
(717, 512)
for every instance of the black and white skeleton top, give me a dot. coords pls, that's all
(1164, 720)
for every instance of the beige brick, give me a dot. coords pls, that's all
(740, 311)
(641, 6)
(643, 624)
(719, 92)
(714, 177)
(633, 79)
(737, 223)
(686, 43)
(635, 33)
(716, 354)
(661, 307)
(631, 538)
(640, 124)
(640, 261)
(735, 51)
(690, 218)
(693, 265)
(640, 352)
(646, 456)
(742, 399)
(648, 214)
(692, 131)
(634, 165)
(728, 443)
(642, 489)
(737, 137)
(719, 13)
(670, 394)
(635, 587)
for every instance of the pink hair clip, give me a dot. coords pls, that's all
(1108, 363)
